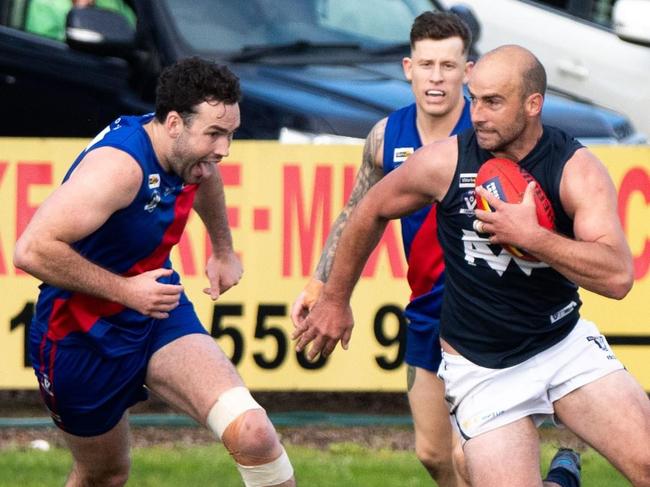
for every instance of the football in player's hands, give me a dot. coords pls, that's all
(506, 180)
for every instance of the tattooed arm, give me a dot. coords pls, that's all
(370, 172)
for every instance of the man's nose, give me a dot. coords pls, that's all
(222, 146)
(477, 113)
(436, 74)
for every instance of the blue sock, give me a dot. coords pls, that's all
(563, 477)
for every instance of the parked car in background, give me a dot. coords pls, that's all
(310, 69)
(594, 50)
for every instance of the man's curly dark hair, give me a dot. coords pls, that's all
(191, 81)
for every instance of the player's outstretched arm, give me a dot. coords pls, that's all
(223, 268)
(104, 182)
(423, 178)
(370, 172)
(599, 258)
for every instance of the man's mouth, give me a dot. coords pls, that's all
(435, 93)
(484, 132)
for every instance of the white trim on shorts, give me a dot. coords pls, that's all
(483, 399)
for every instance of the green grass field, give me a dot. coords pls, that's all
(342, 464)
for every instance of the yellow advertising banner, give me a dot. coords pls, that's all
(282, 200)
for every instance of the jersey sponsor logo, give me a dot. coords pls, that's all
(467, 180)
(468, 203)
(154, 181)
(496, 257)
(153, 202)
(400, 154)
(555, 317)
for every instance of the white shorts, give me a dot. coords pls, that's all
(482, 399)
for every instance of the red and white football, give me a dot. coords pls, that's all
(506, 180)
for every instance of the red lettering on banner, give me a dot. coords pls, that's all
(295, 217)
(28, 174)
(349, 173)
(230, 173)
(635, 180)
(3, 265)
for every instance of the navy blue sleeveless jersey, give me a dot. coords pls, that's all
(423, 253)
(499, 310)
(133, 240)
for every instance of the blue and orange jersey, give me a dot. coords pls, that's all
(419, 230)
(133, 240)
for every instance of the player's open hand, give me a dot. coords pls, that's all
(326, 324)
(223, 271)
(152, 298)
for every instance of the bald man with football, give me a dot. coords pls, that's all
(515, 350)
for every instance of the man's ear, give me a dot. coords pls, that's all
(468, 70)
(407, 66)
(534, 104)
(174, 124)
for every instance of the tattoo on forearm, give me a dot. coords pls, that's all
(369, 173)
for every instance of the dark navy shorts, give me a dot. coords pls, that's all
(88, 392)
(423, 345)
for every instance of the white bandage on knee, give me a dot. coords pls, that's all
(231, 404)
(272, 473)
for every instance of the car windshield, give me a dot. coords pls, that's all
(235, 26)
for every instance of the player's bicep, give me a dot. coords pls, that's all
(371, 169)
(105, 181)
(589, 197)
(406, 189)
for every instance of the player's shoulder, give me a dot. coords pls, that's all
(585, 174)
(443, 150)
(374, 144)
(378, 129)
(582, 161)
(110, 164)
(435, 163)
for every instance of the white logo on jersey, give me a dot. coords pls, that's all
(153, 202)
(563, 312)
(467, 180)
(469, 202)
(477, 248)
(401, 153)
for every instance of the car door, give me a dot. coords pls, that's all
(575, 42)
(43, 82)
